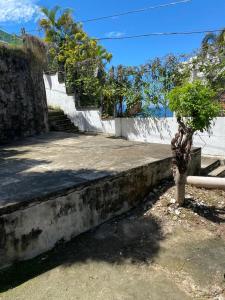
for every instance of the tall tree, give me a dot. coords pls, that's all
(73, 52)
(58, 24)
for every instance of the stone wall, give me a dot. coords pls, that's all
(23, 105)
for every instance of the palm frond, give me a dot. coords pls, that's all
(45, 11)
(52, 14)
(209, 39)
(221, 37)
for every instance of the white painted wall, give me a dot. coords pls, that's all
(151, 130)
(86, 120)
(162, 130)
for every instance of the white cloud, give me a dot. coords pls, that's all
(115, 34)
(18, 10)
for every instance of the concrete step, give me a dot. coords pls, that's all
(65, 129)
(64, 120)
(58, 121)
(56, 113)
(63, 125)
(209, 164)
(57, 117)
(218, 172)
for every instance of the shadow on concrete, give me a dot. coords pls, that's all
(151, 127)
(46, 138)
(20, 188)
(132, 238)
(12, 164)
(211, 213)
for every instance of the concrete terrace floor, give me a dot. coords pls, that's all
(48, 163)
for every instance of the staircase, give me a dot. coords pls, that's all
(213, 167)
(58, 121)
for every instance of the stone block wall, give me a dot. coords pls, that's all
(23, 104)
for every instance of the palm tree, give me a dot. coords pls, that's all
(213, 42)
(58, 25)
(57, 28)
(221, 39)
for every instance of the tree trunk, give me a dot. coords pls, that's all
(181, 149)
(180, 181)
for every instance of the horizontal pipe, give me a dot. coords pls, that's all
(207, 182)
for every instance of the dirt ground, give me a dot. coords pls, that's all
(157, 251)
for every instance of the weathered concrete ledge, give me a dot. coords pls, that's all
(44, 202)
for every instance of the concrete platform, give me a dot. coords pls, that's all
(58, 185)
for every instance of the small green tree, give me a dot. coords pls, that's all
(195, 108)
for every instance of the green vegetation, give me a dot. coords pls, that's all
(141, 86)
(31, 48)
(10, 39)
(196, 102)
(209, 62)
(195, 108)
(81, 62)
(73, 52)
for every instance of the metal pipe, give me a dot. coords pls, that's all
(207, 182)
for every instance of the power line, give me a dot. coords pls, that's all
(127, 13)
(158, 34)
(135, 11)
(146, 34)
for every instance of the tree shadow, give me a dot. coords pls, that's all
(35, 140)
(152, 128)
(131, 238)
(209, 212)
(12, 164)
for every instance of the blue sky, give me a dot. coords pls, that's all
(195, 15)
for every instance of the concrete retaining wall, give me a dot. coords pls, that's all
(31, 230)
(134, 129)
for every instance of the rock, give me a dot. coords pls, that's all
(170, 210)
(221, 297)
(172, 201)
